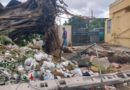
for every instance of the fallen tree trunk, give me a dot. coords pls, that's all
(33, 16)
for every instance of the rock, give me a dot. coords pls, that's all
(66, 63)
(115, 65)
(71, 66)
(102, 62)
(94, 69)
(58, 72)
(67, 50)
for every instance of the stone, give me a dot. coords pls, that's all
(102, 62)
(115, 65)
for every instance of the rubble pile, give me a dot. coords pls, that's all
(115, 54)
(24, 64)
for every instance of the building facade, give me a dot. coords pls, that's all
(117, 30)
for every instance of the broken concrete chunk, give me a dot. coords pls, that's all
(103, 62)
(115, 65)
(94, 68)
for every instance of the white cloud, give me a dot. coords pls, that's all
(99, 7)
(83, 7)
(4, 2)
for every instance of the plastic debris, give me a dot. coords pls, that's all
(20, 69)
(30, 64)
(48, 65)
(77, 72)
(40, 56)
(48, 75)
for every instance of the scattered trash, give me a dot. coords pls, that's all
(33, 64)
(77, 72)
(48, 75)
(30, 64)
(40, 56)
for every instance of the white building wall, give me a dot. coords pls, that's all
(69, 33)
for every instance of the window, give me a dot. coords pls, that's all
(109, 26)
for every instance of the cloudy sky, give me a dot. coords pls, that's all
(84, 7)
(100, 8)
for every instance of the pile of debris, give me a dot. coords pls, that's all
(115, 54)
(25, 63)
